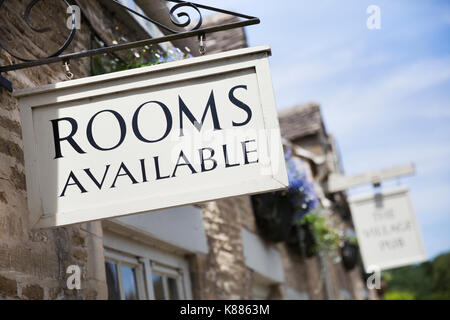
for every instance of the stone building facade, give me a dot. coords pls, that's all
(208, 251)
(303, 126)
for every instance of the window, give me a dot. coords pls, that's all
(158, 287)
(167, 283)
(124, 277)
(136, 271)
(112, 279)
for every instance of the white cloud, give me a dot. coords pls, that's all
(417, 76)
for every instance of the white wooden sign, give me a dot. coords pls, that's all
(339, 182)
(387, 230)
(151, 138)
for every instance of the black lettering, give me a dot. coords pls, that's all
(69, 138)
(238, 103)
(246, 152)
(144, 171)
(203, 160)
(136, 122)
(98, 184)
(186, 163)
(158, 173)
(127, 173)
(227, 161)
(75, 182)
(198, 125)
(123, 131)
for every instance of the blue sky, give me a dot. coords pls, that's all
(385, 94)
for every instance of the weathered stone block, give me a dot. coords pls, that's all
(33, 292)
(8, 287)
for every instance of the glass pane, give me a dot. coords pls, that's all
(158, 286)
(173, 289)
(129, 283)
(112, 280)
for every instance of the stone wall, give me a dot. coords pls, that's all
(33, 263)
(222, 273)
(301, 274)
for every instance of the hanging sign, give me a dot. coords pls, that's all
(387, 230)
(168, 135)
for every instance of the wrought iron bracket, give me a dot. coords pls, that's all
(172, 34)
(5, 83)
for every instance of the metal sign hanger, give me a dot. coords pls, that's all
(339, 183)
(196, 31)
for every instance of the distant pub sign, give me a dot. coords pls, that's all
(145, 139)
(387, 230)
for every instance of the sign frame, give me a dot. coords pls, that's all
(339, 182)
(390, 263)
(127, 81)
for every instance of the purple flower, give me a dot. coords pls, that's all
(301, 191)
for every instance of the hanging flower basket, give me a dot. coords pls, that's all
(302, 240)
(274, 214)
(349, 254)
(277, 212)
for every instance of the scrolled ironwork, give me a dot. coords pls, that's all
(176, 11)
(28, 9)
(27, 14)
(184, 14)
(172, 13)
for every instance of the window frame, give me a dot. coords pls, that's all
(169, 272)
(120, 260)
(149, 260)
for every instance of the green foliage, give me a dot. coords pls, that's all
(135, 58)
(429, 280)
(415, 279)
(351, 239)
(441, 275)
(399, 295)
(386, 276)
(326, 237)
(440, 296)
